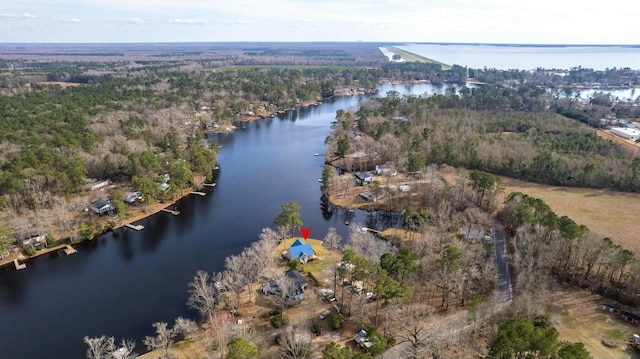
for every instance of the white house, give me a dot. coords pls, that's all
(387, 171)
(102, 207)
(626, 132)
(363, 178)
(98, 184)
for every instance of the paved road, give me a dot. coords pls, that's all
(505, 290)
(451, 326)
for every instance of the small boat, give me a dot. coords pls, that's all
(319, 179)
(316, 154)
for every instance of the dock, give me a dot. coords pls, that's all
(68, 250)
(137, 227)
(209, 184)
(174, 212)
(198, 193)
(365, 229)
(18, 265)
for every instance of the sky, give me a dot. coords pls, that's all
(474, 21)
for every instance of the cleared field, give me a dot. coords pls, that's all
(606, 213)
(411, 57)
(578, 316)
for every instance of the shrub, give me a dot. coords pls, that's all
(313, 278)
(334, 321)
(316, 329)
(278, 321)
(30, 251)
(51, 240)
(294, 264)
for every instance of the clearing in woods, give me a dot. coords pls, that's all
(606, 213)
(578, 317)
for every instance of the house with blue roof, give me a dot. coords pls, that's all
(301, 250)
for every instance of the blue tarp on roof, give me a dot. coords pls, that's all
(299, 249)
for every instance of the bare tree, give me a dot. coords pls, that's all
(104, 348)
(221, 330)
(295, 345)
(332, 239)
(202, 294)
(100, 348)
(185, 327)
(162, 340)
(413, 325)
(367, 245)
(285, 293)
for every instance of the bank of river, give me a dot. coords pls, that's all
(123, 281)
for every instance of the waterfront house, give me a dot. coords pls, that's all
(303, 251)
(132, 197)
(371, 197)
(102, 207)
(33, 238)
(363, 178)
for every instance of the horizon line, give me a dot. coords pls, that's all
(400, 43)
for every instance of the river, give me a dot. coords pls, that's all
(122, 282)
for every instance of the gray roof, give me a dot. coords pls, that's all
(297, 277)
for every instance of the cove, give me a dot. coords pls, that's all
(122, 282)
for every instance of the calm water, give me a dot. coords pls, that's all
(530, 57)
(124, 281)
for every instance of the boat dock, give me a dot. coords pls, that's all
(174, 212)
(18, 265)
(209, 184)
(198, 193)
(68, 250)
(370, 230)
(137, 227)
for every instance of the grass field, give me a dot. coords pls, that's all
(606, 213)
(411, 57)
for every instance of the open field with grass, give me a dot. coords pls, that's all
(577, 315)
(606, 213)
(411, 57)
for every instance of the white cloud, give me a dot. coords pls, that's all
(17, 16)
(136, 20)
(72, 20)
(197, 21)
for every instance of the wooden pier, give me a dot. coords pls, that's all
(137, 227)
(198, 193)
(68, 250)
(18, 265)
(209, 184)
(174, 212)
(365, 229)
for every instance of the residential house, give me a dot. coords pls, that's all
(98, 185)
(387, 171)
(102, 207)
(302, 251)
(362, 340)
(363, 178)
(133, 197)
(297, 278)
(371, 197)
(33, 238)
